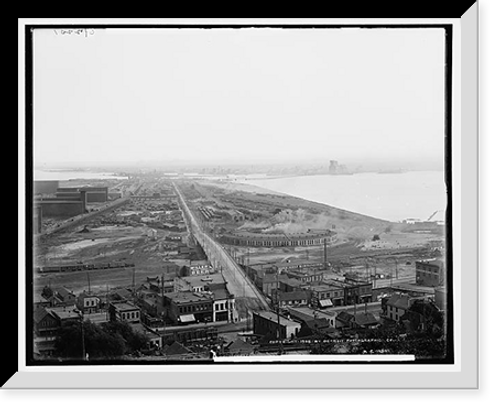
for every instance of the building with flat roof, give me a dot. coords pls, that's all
(247, 239)
(355, 291)
(68, 206)
(188, 307)
(267, 324)
(198, 283)
(66, 314)
(87, 302)
(97, 194)
(326, 295)
(224, 305)
(297, 298)
(124, 311)
(304, 314)
(307, 276)
(430, 273)
(45, 187)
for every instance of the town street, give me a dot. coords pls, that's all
(237, 282)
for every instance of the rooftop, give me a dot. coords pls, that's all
(272, 316)
(66, 313)
(125, 306)
(278, 236)
(293, 295)
(176, 348)
(186, 297)
(221, 294)
(239, 346)
(365, 319)
(399, 301)
(204, 280)
(305, 313)
(289, 263)
(325, 287)
(40, 313)
(436, 262)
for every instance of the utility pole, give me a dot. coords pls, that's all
(133, 281)
(324, 254)
(278, 311)
(83, 337)
(107, 303)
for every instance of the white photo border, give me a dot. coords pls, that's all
(462, 374)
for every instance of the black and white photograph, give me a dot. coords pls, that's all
(241, 193)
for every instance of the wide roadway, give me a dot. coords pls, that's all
(237, 282)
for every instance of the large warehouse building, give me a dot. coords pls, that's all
(312, 237)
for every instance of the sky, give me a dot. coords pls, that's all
(217, 96)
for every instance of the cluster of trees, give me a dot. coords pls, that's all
(105, 340)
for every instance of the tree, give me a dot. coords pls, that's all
(184, 271)
(134, 341)
(98, 343)
(376, 237)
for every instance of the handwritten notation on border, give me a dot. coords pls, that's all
(74, 32)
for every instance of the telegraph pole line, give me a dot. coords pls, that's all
(278, 310)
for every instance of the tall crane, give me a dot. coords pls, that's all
(432, 215)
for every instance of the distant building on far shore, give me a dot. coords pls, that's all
(337, 168)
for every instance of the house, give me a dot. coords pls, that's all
(430, 273)
(59, 296)
(120, 294)
(45, 322)
(126, 312)
(346, 320)
(239, 347)
(424, 315)
(365, 320)
(395, 306)
(40, 301)
(176, 351)
(269, 324)
(313, 326)
(66, 314)
(88, 302)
